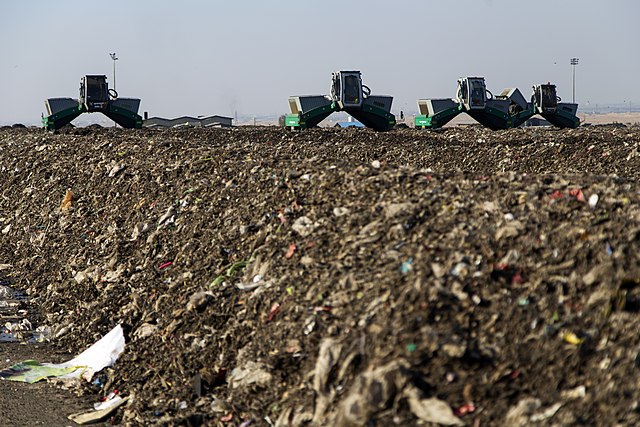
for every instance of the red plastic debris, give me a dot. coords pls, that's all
(292, 249)
(577, 193)
(275, 309)
(165, 265)
(109, 396)
(517, 278)
(283, 219)
(507, 273)
(556, 195)
(465, 409)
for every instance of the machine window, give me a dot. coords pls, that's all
(549, 96)
(351, 90)
(96, 90)
(477, 94)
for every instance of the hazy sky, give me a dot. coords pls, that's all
(193, 57)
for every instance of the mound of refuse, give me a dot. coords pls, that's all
(337, 277)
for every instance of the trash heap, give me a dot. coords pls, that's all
(337, 277)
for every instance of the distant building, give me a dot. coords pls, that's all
(205, 122)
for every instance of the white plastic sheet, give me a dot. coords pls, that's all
(100, 355)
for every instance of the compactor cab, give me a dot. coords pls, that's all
(545, 98)
(472, 92)
(347, 89)
(94, 93)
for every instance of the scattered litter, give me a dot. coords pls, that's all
(165, 265)
(199, 300)
(275, 309)
(546, 414)
(290, 251)
(340, 211)
(67, 201)
(575, 393)
(309, 325)
(571, 338)
(115, 169)
(100, 355)
(230, 272)
(431, 410)
(608, 248)
(107, 401)
(6, 292)
(98, 415)
(251, 373)
(167, 218)
(255, 283)
(145, 330)
(519, 415)
(328, 357)
(303, 226)
(557, 194)
(7, 337)
(406, 266)
(502, 258)
(467, 408)
(577, 194)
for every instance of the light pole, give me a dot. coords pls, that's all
(115, 58)
(574, 62)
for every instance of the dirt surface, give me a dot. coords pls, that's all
(42, 403)
(338, 277)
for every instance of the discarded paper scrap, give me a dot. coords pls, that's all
(95, 416)
(31, 372)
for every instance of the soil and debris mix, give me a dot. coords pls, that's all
(337, 277)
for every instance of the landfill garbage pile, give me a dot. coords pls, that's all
(337, 277)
